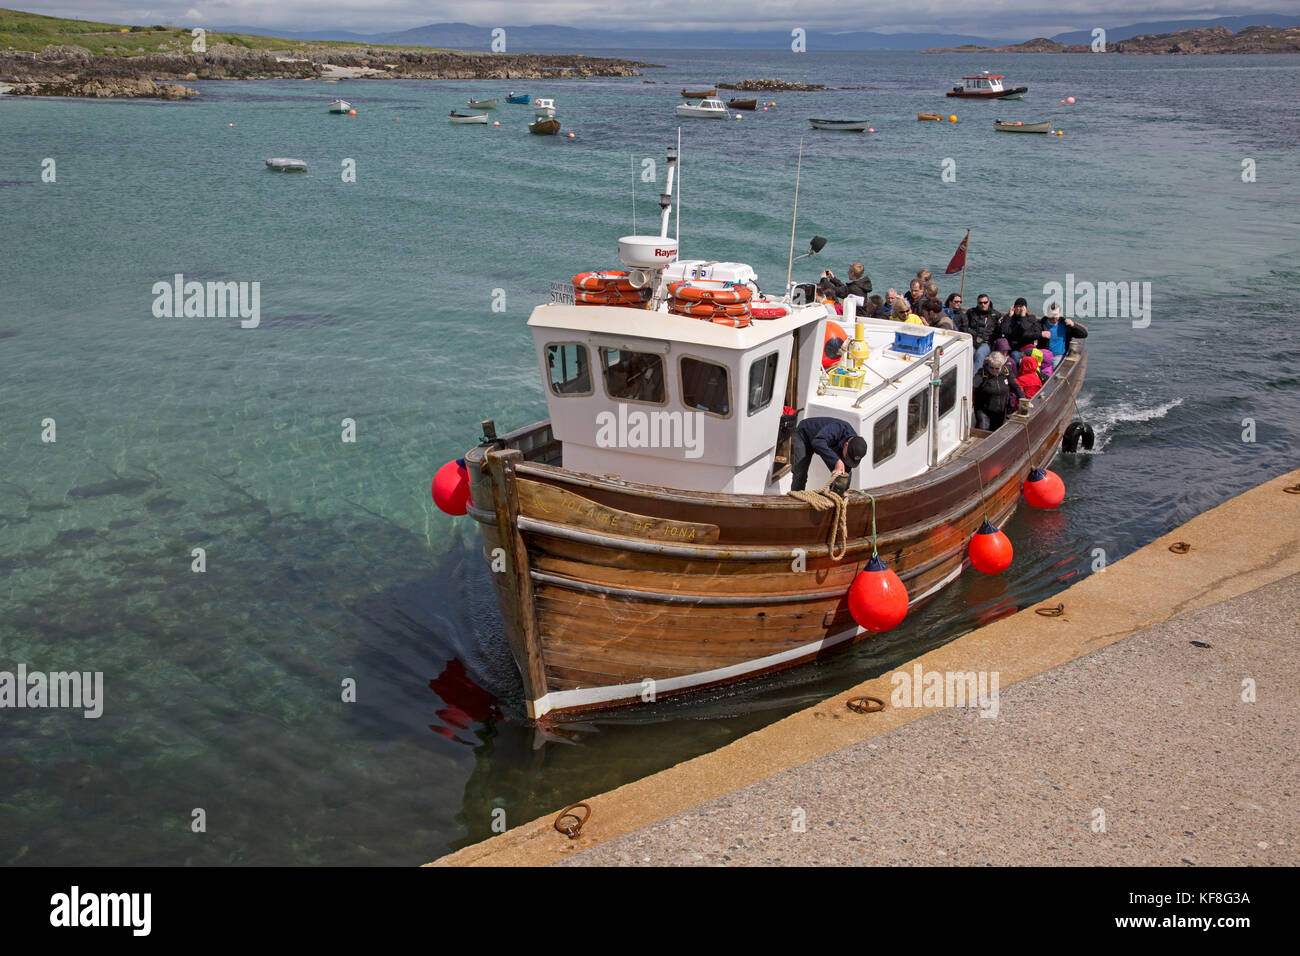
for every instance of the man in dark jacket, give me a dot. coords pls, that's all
(1021, 328)
(858, 284)
(993, 388)
(832, 440)
(981, 323)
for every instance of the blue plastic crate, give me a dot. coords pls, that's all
(913, 344)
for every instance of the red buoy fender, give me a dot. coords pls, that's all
(1044, 489)
(878, 598)
(833, 331)
(450, 487)
(990, 550)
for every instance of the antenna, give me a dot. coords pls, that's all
(789, 269)
(666, 197)
(678, 235)
(631, 161)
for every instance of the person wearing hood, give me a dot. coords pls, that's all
(981, 322)
(1028, 379)
(1058, 331)
(994, 387)
(1003, 346)
(1047, 365)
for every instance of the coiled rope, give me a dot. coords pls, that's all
(825, 500)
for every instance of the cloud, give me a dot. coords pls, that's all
(994, 17)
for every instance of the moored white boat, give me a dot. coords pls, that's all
(340, 106)
(986, 87)
(482, 104)
(642, 539)
(708, 108)
(282, 164)
(1021, 127)
(544, 107)
(466, 119)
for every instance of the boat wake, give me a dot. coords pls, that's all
(1106, 420)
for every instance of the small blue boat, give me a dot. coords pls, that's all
(520, 98)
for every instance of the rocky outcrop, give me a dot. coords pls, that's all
(771, 86)
(110, 88)
(67, 71)
(1259, 39)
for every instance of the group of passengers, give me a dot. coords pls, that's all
(1015, 352)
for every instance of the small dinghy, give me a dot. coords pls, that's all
(544, 126)
(698, 94)
(482, 104)
(468, 118)
(340, 106)
(846, 126)
(929, 116)
(282, 165)
(1019, 127)
(523, 98)
(742, 104)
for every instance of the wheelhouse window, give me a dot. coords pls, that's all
(918, 414)
(634, 376)
(884, 434)
(567, 368)
(947, 391)
(705, 386)
(762, 382)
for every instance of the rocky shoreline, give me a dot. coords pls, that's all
(1202, 40)
(771, 86)
(75, 71)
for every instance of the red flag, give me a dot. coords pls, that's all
(959, 260)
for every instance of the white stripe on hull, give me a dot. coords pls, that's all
(591, 696)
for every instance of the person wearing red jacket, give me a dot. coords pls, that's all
(1028, 378)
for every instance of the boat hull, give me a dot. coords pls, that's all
(479, 119)
(482, 104)
(613, 593)
(742, 104)
(691, 112)
(844, 126)
(1022, 127)
(544, 127)
(1011, 94)
(698, 94)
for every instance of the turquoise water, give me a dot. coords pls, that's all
(326, 559)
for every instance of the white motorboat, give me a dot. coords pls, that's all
(544, 107)
(282, 164)
(708, 108)
(340, 106)
(468, 118)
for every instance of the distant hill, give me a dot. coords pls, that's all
(552, 37)
(1235, 24)
(1217, 39)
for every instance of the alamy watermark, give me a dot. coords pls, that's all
(80, 690)
(922, 688)
(1100, 300)
(177, 299)
(634, 428)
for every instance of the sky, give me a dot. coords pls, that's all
(1010, 18)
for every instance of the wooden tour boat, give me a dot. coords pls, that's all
(699, 94)
(1019, 127)
(986, 87)
(642, 539)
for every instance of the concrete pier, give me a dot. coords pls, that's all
(1116, 739)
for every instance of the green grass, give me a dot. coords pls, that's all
(34, 32)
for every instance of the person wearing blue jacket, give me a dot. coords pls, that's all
(832, 440)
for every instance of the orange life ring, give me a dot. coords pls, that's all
(707, 310)
(603, 281)
(735, 321)
(607, 298)
(706, 290)
(833, 330)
